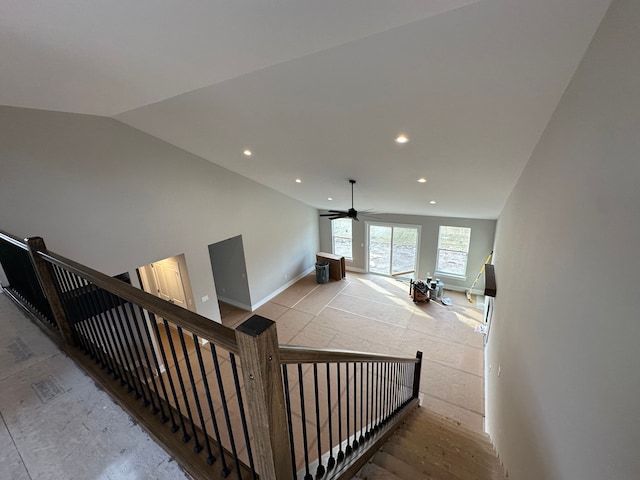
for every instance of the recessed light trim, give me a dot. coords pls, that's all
(247, 152)
(422, 180)
(298, 180)
(432, 202)
(329, 198)
(402, 138)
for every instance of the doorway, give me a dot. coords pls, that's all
(230, 277)
(168, 279)
(392, 249)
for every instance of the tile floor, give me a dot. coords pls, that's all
(56, 424)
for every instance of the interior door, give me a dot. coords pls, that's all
(169, 282)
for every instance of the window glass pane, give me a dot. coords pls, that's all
(341, 233)
(379, 249)
(453, 248)
(454, 238)
(405, 246)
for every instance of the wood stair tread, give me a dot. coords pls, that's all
(429, 446)
(398, 467)
(371, 471)
(463, 465)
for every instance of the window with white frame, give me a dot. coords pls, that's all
(341, 237)
(453, 250)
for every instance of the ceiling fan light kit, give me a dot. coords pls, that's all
(352, 213)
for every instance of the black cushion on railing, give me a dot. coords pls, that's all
(489, 280)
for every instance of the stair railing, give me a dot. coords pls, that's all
(280, 412)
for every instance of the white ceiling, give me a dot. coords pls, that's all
(317, 89)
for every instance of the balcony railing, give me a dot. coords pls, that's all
(225, 403)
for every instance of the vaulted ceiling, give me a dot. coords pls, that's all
(317, 90)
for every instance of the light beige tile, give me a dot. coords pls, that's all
(471, 420)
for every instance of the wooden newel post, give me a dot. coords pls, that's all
(44, 272)
(260, 357)
(416, 375)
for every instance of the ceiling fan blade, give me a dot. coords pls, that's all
(334, 214)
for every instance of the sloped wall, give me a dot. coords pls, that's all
(114, 198)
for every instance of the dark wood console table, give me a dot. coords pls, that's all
(337, 266)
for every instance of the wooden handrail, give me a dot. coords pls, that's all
(18, 242)
(294, 354)
(191, 321)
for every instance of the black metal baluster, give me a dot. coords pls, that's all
(167, 370)
(225, 407)
(386, 392)
(142, 376)
(243, 417)
(348, 448)
(100, 323)
(320, 470)
(117, 302)
(287, 401)
(332, 461)
(379, 394)
(117, 341)
(361, 439)
(94, 323)
(165, 418)
(305, 444)
(205, 383)
(197, 445)
(366, 416)
(185, 436)
(79, 308)
(355, 407)
(340, 452)
(73, 316)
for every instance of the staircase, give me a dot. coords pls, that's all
(428, 446)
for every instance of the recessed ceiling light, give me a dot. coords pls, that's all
(422, 180)
(247, 152)
(432, 202)
(329, 198)
(298, 180)
(402, 138)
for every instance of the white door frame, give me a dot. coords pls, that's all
(368, 224)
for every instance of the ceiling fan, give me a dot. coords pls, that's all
(352, 213)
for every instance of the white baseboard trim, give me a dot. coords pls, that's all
(456, 288)
(241, 305)
(274, 294)
(355, 269)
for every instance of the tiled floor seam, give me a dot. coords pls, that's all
(448, 341)
(449, 366)
(30, 366)
(327, 304)
(14, 445)
(453, 403)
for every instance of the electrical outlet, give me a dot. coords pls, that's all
(205, 298)
(499, 370)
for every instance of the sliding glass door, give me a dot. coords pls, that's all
(392, 249)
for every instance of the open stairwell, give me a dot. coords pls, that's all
(429, 446)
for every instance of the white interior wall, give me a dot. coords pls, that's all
(111, 197)
(482, 238)
(565, 329)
